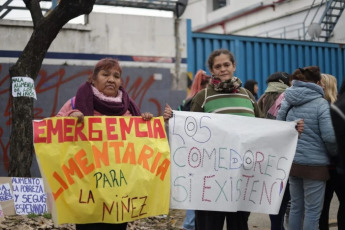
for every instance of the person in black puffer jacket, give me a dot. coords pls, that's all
(338, 120)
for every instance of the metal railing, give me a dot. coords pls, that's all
(293, 31)
(176, 6)
(315, 25)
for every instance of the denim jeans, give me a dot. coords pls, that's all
(306, 203)
(189, 221)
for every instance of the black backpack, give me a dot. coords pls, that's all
(185, 106)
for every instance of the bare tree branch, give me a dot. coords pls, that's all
(28, 64)
(35, 10)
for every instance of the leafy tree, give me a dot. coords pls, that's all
(45, 30)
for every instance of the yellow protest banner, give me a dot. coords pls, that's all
(106, 169)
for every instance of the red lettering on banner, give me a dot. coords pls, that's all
(149, 128)
(69, 125)
(69, 130)
(57, 130)
(138, 133)
(158, 129)
(92, 121)
(39, 128)
(78, 134)
(125, 128)
(110, 127)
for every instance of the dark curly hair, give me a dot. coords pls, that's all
(307, 74)
(218, 52)
(282, 77)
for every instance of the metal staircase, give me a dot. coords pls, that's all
(318, 24)
(330, 17)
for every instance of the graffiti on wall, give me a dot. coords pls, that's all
(57, 84)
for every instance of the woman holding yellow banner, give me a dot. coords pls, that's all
(102, 95)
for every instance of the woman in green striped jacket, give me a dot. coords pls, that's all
(224, 95)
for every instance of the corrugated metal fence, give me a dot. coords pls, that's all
(257, 58)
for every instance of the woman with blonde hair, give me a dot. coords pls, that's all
(329, 83)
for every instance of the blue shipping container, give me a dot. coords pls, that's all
(257, 58)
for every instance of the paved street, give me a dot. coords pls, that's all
(262, 222)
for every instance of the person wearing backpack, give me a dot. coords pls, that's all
(269, 104)
(200, 81)
(337, 178)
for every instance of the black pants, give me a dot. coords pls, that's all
(334, 184)
(207, 220)
(277, 221)
(101, 226)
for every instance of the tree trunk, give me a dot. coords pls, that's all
(28, 64)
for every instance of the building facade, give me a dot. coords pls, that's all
(287, 19)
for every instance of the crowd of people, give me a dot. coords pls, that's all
(306, 95)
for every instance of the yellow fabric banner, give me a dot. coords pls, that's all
(106, 169)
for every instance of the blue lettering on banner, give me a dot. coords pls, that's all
(5, 193)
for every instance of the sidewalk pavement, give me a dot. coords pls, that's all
(258, 221)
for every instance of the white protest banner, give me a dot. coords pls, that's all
(5, 192)
(29, 196)
(228, 163)
(23, 87)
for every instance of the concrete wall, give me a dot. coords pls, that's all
(105, 34)
(145, 46)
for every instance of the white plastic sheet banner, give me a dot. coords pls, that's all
(228, 162)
